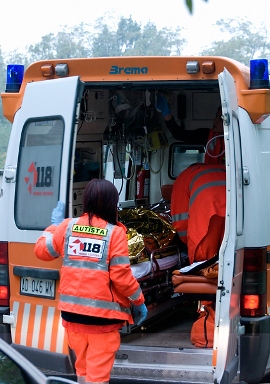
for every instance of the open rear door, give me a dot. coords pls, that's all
(39, 169)
(225, 353)
(42, 137)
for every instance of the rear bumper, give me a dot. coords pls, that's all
(254, 348)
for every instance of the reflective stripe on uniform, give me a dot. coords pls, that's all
(136, 295)
(68, 233)
(49, 244)
(204, 172)
(180, 216)
(87, 302)
(217, 183)
(86, 265)
(182, 233)
(119, 260)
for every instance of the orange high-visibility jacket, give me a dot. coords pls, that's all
(199, 195)
(96, 278)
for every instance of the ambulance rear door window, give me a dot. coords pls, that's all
(38, 174)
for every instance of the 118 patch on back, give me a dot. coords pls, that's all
(92, 248)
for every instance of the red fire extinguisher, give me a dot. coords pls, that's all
(143, 177)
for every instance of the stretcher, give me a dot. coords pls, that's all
(148, 269)
(154, 254)
(155, 279)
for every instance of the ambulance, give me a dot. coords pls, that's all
(78, 119)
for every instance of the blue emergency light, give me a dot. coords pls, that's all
(14, 77)
(259, 75)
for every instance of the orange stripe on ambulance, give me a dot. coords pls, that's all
(39, 327)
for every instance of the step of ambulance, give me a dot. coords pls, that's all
(63, 375)
(192, 365)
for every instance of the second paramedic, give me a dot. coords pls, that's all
(97, 287)
(198, 205)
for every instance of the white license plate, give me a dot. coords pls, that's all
(37, 287)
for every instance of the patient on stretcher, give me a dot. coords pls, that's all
(152, 241)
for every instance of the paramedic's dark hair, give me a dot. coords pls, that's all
(100, 199)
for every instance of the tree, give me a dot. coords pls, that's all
(44, 49)
(157, 43)
(128, 33)
(104, 42)
(245, 42)
(152, 42)
(131, 39)
(72, 42)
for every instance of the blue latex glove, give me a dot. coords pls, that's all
(58, 213)
(140, 313)
(162, 105)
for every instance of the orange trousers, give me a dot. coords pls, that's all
(95, 354)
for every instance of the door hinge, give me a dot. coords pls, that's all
(10, 174)
(246, 177)
(226, 119)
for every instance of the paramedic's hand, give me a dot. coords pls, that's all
(58, 213)
(140, 313)
(162, 105)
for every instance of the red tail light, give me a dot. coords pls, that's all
(3, 253)
(4, 277)
(253, 297)
(251, 301)
(4, 295)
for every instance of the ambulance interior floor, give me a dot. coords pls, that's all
(170, 329)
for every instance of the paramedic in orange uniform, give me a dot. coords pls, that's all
(96, 284)
(198, 205)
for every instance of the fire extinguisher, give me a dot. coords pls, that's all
(143, 177)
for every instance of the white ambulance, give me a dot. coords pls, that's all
(78, 119)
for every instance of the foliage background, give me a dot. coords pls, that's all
(130, 38)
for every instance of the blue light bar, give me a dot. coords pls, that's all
(14, 77)
(259, 76)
